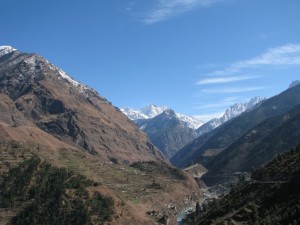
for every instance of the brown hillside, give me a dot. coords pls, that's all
(37, 93)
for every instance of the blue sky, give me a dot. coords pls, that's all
(195, 56)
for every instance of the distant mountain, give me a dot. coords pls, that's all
(204, 148)
(151, 111)
(270, 197)
(147, 112)
(167, 131)
(232, 112)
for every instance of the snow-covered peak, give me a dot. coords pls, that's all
(254, 101)
(232, 112)
(147, 112)
(134, 114)
(6, 50)
(190, 121)
(153, 110)
(238, 108)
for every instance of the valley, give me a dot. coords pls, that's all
(150, 166)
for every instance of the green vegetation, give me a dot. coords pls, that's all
(271, 197)
(48, 195)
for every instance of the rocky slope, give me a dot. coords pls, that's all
(39, 94)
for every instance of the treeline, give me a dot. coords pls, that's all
(271, 197)
(48, 195)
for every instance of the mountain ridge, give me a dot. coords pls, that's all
(54, 102)
(223, 136)
(151, 111)
(230, 113)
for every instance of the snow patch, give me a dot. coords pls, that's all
(151, 111)
(189, 121)
(232, 112)
(6, 50)
(62, 74)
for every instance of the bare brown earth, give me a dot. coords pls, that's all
(196, 170)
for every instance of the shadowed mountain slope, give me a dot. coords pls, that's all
(270, 197)
(212, 143)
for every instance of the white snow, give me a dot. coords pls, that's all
(31, 61)
(232, 112)
(151, 111)
(68, 78)
(134, 114)
(6, 49)
(190, 121)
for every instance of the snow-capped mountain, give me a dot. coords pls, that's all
(167, 131)
(6, 50)
(151, 111)
(232, 112)
(134, 114)
(147, 112)
(189, 121)
(34, 63)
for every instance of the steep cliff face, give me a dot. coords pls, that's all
(39, 94)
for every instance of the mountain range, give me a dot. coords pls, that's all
(230, 113)
(151, 111)
(167, 130)
(247, 141)
(171, 131)
(66, 154)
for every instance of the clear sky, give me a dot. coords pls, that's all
(195, 56)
